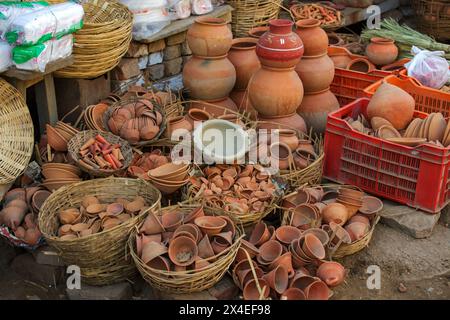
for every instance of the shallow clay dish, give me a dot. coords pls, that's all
(437, 127)
(412, 126)
(410, 142)
(426, 126)
(371, 205)
(167, 170)
(416, 132)
(378, 122)
(385, 132)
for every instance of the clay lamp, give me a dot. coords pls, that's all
(171, 220)
(210, 225)
(302, 281)
(313, 247)
(277, 279)
(260, 234)
(286, 261)
(317, 290)
(269, 251)
(141, 239)
(256, 290)
(205, 249)
(293, 294)
(297, 261)
(286, 234)
(183, 251)
(320, 234)
(332, 273)
(152, 225)
(229, 226)
(245, 276)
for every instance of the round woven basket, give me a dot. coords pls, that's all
(190, 280)
(102, 257)
(248, 14)
(74, 145)
(16, 131)
(103, 40)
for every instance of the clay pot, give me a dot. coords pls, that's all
(332, 273)
(335, 40)
(12, 216)
(340, 56)
(303, 217)
(32, 236)
(360, 65)
(287, 234)
(251, 291)
(381, 51)
(190, 229)
(278, 279)
(159, 263)
(285, 260)
(303, 158)
(152, 225)
(288, 137)
(209, 37)
(293, 294)
(152, 250)
(260, 234)
(302, 281)
(197, 212)
(316, 72)
(210, 225)
(257, 32)
(209, 79)
(183, 251)
(335, 212)
(313, 247)
(205, 249)
(171, 220)
(317, 290)
(275, 92)
(195, 116)
(359, 218)
(243, 56)
(240, 98)
(292, 121)
(320, 234)
(393, 104)
(245, 276)
(270, 250)
(216, 108)
(315, 108)
(357, 230)
(280, 155)
(296, 199)
(314, 38)
(338, 234)
(177, 123)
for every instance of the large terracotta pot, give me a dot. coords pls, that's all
(243, 56)
(316, 72)
(315, 108)
(209, 37)
(240, 98)
(216, 108)
(393, 104)
(280, 47)
(209, 79)
(314, 38)
(275, 91)
(292, 121)
(381, 51)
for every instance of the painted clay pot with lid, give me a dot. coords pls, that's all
(381, 51)
(209, 78)
(243, 56)
(275, 91)
(315, 108)
(280, 47)
(314, 38)
(316, 72)
(393, 104)
(209, 37)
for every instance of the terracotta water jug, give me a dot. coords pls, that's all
(381, 51)
(280, 47)
(314, 38)
(209, 37)
(243, 56)
(316, 72)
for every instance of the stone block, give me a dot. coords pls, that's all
(415, 223)
(185, 50)
(225, 289)
(174, 83)
(156, 71)
(127, 69)
(155, 58)
(186, 59)
(176, 39)
(172, 52)
(118, 291)
(48, 256)
(172, 67)
(137, 50)
(158, 45)
(143, 62)
(26, 267)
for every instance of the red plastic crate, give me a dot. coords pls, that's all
(427, 99)
(417, 177)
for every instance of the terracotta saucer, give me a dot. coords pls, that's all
(446, 133)
(437, 127)
(410, 142)
(385, 132)
(378, 122)
(416, 132)
(412, 126)
(427, 125)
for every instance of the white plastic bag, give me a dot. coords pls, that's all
(180, 9)
(429, 67)
(5, 56)
(199, 7)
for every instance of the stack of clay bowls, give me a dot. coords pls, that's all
(93, 116)
(169, 177)
(183, 239)
(59, 174)
(351, 199)
(59, 135)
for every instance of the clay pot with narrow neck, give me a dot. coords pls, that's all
(216, 108)
(381, 51)
(209, 36)
(280, 47)
(314, 38)
(209, 78)
(257, 32)
(315, 108)
(243, 56)
(316, 72)
(240, 98)
(292, 121)
(275, 91)
(176, 123)
(195, 116)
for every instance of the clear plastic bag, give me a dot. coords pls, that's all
(199, 7)
(429, 67)
(179, 9)
(5, 56)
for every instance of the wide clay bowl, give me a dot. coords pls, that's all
(371, 205)
(169, 189)
(56, 173)
(195, 213)
(351, 192)
(183, 251)
(313, 247)
(270, 250)
(210, 225)
(65, 166)
(298, 198)
(320, 234)
(287, 234)
(167, 171)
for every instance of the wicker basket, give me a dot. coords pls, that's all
(102, 257)
(433, 18)
(17, 133)
(295, 12)
(248, 14)
(103, 40)
(191, 280)
(80, 138)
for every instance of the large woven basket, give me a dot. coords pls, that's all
(433, 17)
(16, 133)
(102, 257)
(248, 14)
(74, 145)
(190, 280)
(103, 40)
